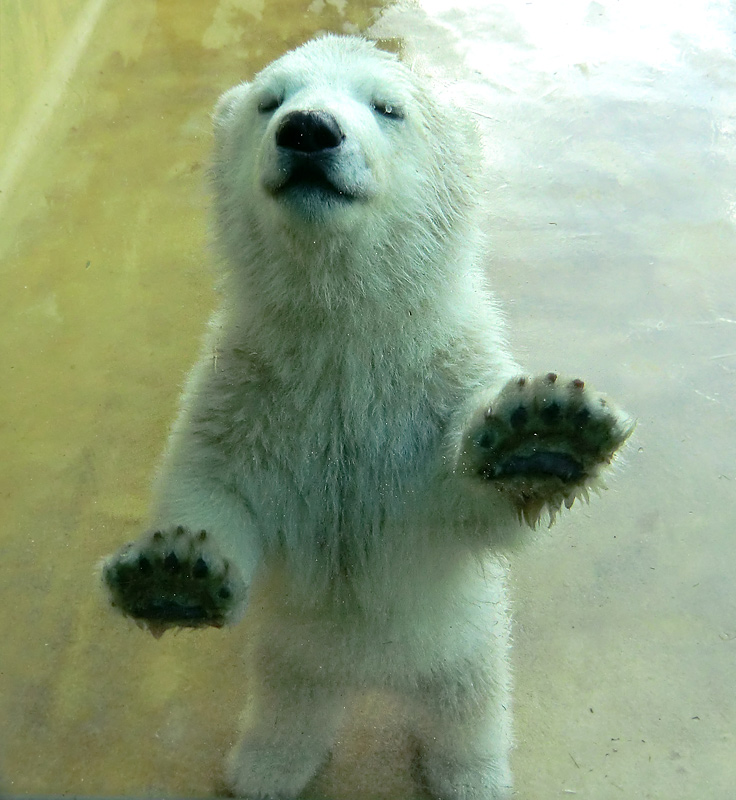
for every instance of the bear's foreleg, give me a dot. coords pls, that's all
(194, 565)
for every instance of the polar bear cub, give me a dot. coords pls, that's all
(356, 446)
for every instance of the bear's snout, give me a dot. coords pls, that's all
(314, 163)
(309, 132)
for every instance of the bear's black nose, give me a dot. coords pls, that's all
(309, 132)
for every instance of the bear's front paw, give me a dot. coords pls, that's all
(174, 579)
(544, 441)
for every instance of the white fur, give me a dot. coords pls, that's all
(320, 433)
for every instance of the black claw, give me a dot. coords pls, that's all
(171, 563)
(200, 570)
(224, 593)
(144, 565)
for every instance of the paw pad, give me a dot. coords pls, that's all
(173, 579)
(544, 440)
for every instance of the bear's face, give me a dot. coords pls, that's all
(326, 138)
(336, 133)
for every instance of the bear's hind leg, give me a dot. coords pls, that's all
(289, 730)
(464, 752)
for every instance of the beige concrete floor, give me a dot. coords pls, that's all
(626, 632)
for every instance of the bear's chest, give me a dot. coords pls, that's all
(339, 437)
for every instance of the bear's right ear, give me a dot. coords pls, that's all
(227, 105)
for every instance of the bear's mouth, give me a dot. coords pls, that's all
(306, 176)
(309, 176)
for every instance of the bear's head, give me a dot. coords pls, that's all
(337, 150)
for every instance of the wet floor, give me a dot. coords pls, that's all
(610, 130)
